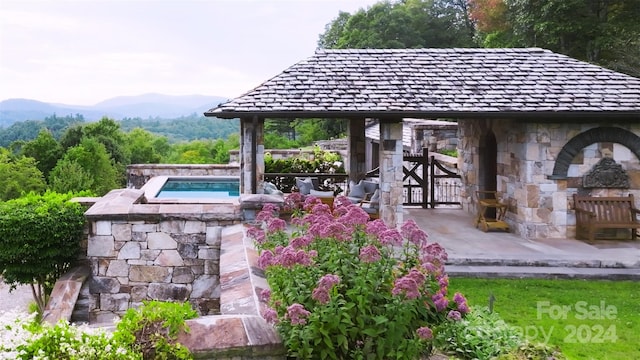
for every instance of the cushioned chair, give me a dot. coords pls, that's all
(362, 190)
(305, 185)
(372, 205)
(325, 196)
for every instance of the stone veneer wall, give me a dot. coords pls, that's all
(193, 252)
(141, 251)
(139, 174)
(540, 207)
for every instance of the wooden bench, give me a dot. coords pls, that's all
(593, 213)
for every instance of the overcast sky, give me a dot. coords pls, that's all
(84, 51)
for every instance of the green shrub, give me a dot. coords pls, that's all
(39, 240)
(325, 162)
(153, 328)
(484, 335)
(147, 333)
(346, 288)
(448, 152)
(65, 341)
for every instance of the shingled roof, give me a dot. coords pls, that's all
(439, 83)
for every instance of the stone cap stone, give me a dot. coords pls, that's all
(129, 204)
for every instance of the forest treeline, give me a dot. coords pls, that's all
(603, 32)
(67, 154)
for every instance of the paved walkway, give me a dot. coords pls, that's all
(476, 253)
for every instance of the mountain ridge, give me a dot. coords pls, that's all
(150, 105)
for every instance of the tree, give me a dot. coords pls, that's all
(18, 175)
(39, 241)
(146, 148)
(92, 169)
(45, 150)
(402, 24)
(605, 32)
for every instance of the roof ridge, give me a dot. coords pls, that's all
(436, 50)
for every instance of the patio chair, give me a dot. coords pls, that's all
(372, 205)
(362, 190)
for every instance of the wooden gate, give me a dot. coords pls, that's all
(428, 183)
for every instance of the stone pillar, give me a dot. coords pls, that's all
(356, 163)
(391, 171)
(251, 155)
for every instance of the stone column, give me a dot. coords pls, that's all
(357, 153)
(391, 171)
(251, 155)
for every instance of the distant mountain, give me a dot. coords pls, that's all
(142, 106)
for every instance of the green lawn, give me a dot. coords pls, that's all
(586, 319)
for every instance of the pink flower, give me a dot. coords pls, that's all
(265, 295)
(290, 257)
(417, 276)
(391, 237)
(321, 292)
(310, 203)
(266, 259)
(433, 253)
(369, 254)
(464, 308)
(341, 202)
(257, 234)
(425, 333)
(454, 315)
(268, 211)
(321, 295)
(301, 241)
(355, 216)
(276, 224)
(412, 232)
(461, 303)
(293, 201)
(376, 227)
(440, 301)
(458, 298)
(270, 315)
(297, 314)
(443, 281)
(328, 281)
(407, 286)
(335, 230)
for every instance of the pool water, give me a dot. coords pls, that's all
(201, 188)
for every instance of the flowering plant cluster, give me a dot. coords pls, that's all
(344, 287)
(23, 337)
(146, 333)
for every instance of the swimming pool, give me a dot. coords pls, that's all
(192, 188)
(203, 188)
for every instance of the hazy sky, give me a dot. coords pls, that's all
(84, 51)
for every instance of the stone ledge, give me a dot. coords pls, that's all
(65, 294)
(239, 332)
(131, 205)
(213, 337)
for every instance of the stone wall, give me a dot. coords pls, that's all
(186, 252)
(540, 206)
(139, 174)
(154, 251)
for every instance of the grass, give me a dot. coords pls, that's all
(586, 319)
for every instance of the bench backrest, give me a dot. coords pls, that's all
(610, 209)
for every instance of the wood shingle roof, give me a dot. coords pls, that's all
(439, 83)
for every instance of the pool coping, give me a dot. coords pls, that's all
(155, 184)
